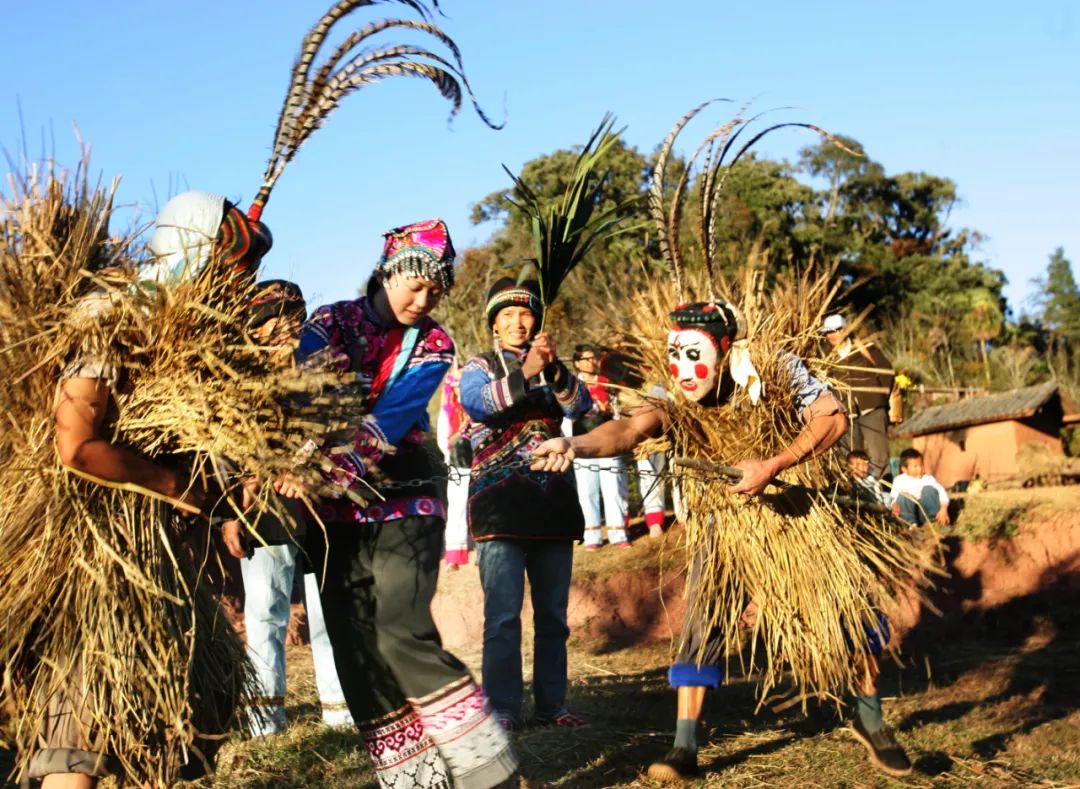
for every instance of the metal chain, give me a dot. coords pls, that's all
(454, 475)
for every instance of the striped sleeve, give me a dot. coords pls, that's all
(482, 396)
(573, 397)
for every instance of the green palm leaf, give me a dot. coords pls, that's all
(566, 228)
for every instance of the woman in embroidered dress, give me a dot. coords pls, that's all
(423, 719)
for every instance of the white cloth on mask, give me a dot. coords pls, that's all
(743, 371)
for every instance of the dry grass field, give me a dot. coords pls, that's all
(990, 698)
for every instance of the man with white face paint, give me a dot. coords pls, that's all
(693, 362)
(707, 367)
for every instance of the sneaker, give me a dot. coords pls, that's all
(885, 752)
(560, 720)
(591, 548)
(678, 766)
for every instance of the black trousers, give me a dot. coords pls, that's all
(377, 587)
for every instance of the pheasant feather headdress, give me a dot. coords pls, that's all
(719, 152)
(315, 92)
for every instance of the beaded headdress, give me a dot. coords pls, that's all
(422, 249)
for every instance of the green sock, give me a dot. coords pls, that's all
(868, 708)
(686, 734)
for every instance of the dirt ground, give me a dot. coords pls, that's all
(987, 697)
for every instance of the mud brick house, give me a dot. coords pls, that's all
(982, 436)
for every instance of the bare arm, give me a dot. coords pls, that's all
(821, 432)
(610, 438)
(80, 446)
(619, 436)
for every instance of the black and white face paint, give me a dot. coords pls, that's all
(693, 361)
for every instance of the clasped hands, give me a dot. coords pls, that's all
(541, 353)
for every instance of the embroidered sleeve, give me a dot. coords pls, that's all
(321, 345)
(400, 410)
(573, 396)
(482, 397)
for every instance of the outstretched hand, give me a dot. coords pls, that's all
(555, 455)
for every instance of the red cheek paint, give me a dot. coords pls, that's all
(701, 371)
(674, 369)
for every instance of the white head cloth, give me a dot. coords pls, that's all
(184, 237)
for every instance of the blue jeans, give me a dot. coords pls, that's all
(503, 567)
(610, 486)
(921, 510)
(268, 583)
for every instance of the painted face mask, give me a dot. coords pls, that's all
(693, 359)
(698, 344)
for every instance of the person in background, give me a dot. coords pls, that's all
(917, 496)
(867, 486)
(268, 566)
(868, 374)
(602, 482)
(451, 437)
(651, 484)
(524, 522)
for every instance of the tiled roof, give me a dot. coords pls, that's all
(997, 407)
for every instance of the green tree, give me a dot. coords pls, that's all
(607, 274)
(1059, 299)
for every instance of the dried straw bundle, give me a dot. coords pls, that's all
(100, 598)
(819, 565)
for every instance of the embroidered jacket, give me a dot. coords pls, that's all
(511, 417)
(398, 369)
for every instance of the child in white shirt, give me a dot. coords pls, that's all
(916, 497)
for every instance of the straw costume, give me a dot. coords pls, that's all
(115, 657)
(423, 719)
(815, 569)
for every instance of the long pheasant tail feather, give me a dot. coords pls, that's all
(445, 81)
(777, 126)
(309, 101)
(657, 204)
(297, 93)
(369, 30)
(708, 147)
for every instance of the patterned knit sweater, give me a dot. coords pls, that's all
(511, 417)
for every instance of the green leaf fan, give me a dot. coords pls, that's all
(566, 228)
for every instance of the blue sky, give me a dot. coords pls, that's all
(185, 95)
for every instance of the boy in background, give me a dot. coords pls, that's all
(916, 496)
